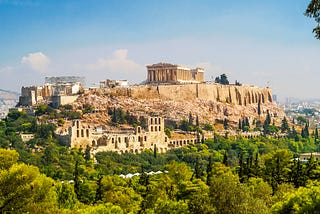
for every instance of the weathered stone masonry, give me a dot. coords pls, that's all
(123, 141)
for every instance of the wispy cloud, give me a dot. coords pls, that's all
(37, 61)
(116, 66)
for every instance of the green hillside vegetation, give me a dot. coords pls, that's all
(221, 175)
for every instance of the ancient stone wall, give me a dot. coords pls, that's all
(81, 135)
(233, 94)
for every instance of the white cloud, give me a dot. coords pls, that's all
(37, 61)
(117, 66)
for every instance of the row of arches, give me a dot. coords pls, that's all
(82, 133)
(155, 120)
(179, 143)
(155, 128)
(137, 151)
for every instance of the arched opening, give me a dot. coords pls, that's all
(94, 143)
(87, 132)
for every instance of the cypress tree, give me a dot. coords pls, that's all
(225, 159)
(259, 108)
(155, 151)
(209, 170)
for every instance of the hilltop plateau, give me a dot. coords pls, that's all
(176, 102)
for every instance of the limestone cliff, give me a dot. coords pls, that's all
(211, 102)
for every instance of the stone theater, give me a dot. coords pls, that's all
(170, 73)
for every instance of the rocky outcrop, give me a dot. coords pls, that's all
(211, 102)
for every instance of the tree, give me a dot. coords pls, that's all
(285, 126)
(225, 123)
(302, 200)
(313, 11)
(223, 79)
(208, 127)
(8, 158)
(190, 119)
(23, 189)
(277, 167)
(259, 108)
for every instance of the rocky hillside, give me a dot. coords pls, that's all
(8, 100)
(208, 110)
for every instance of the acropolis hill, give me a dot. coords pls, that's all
(170, 94)
(211, 102)
(173, 92)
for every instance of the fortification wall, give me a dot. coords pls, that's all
(233, 94)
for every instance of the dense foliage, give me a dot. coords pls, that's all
(220, 175)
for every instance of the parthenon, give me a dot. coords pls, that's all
(170, 73)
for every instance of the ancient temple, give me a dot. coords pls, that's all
(170, 73)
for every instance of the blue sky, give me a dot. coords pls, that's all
(263, 43)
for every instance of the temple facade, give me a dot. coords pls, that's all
(170, 73)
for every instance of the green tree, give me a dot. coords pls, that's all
(303, 200)
(285, 126)
(225, 123)
(67, 198)
(259, 108)
(313, 11)
(277, 168)
(23, 189)
(8, 158)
